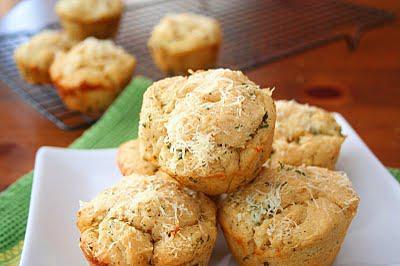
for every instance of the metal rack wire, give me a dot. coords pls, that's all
(255, 32)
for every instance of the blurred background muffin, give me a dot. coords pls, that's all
(34, 57)
(185, 41)
(305, 134)
(84, 18)
(91, 75)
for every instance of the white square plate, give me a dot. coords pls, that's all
(64, 176)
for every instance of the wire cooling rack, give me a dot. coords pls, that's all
(255, 32)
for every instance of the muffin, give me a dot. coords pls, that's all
(212, 131)
(289, 216)
(158, 102)
(34, 57)
(91, 75)
(148, 220)
(185, 41)
(84, 18)
(130, 160)
(305, 135)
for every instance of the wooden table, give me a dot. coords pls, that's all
(365, 85)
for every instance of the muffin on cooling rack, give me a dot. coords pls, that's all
(212, 131)
(305, 135)
(148, 220)
(130, 160)
(185, 41)
(289, 216)
(84, 18)
(34, 57)
(91, 75)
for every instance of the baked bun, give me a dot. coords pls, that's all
(185, 41)
(148, 220)
(305, 135)
(34, 57)
(85, 18)
(92, 74)
(212, 131)
(289, 216)
(130, 160)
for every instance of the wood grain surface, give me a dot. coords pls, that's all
(363, 85)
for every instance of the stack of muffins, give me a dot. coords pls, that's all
(267, 166)
(264, 163)
(87, 71)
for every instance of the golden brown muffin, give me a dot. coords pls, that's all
(212, 131)
(130, 160)
(289, 216)
(185, 41)
(305, 135)
(148, 220)
(85, 18)
(91, 75)
(34, 57)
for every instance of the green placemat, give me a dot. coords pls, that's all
(118, 124)
(395, 173)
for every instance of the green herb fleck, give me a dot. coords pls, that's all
(300, 172)
(193, 180)
(264, 123)
(314, 131)
(180, 154)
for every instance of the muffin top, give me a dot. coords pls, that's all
(146, 220)
(201, 125)
(93, 63)
(130, 160)
(288, 207)
(294, 120)
(305, 135)
(184, 32)
(87, 11)
(40, 50)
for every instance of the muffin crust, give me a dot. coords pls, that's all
(305, 135)
(185, 41)
(289, 216)
(211, 131)
(84, 18)
(148, 220)
(130, 160)
(90, 75)
(34, 57)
